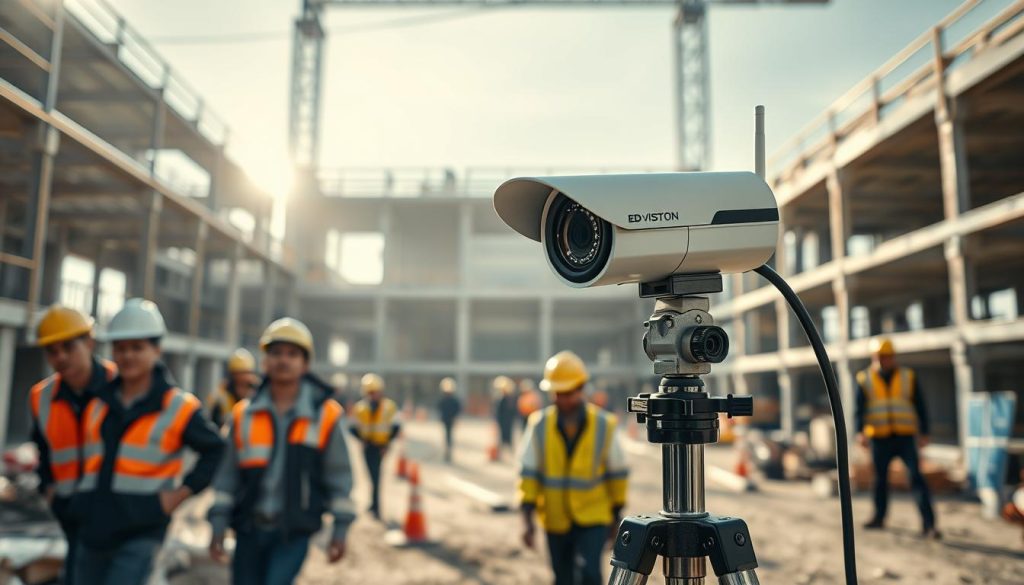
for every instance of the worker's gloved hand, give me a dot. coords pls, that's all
(217, 552)
(335, 551)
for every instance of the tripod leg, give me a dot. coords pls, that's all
(623, 576)
(739, 578)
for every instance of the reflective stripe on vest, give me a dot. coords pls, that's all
(149, 457)
(61, 430)
(254, 432)
(374, 426)
(890, 407)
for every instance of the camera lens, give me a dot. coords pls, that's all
(709, 344)
(578, 242)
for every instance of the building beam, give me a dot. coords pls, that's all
(839, 232)
(8, 345)
(145, 268)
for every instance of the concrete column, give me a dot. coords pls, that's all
(968, 373)
(143, 283)
(545, 333)
(195, 307)
(839, 229)
(98, 264)
(465, 241)
(787, 403)
(268, 297)
(45, 143)
(233, 301)
(380, 319)
(188, 373)
(8, 339)
(385, 223)
(462, 342)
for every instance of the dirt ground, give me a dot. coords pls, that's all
(796, 535)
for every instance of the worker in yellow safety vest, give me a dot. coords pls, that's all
(572, 474)
(58, 403)
(890, 417)
(375, 424)
(240, 383)
(134, 438)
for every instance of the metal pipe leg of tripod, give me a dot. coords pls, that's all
(620, 576)
(739, 578)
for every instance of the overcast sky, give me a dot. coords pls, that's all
(519, 87)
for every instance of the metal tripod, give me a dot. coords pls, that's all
(683, 342)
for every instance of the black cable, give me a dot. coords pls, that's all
(832, 387)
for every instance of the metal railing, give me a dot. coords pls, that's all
(135, 53)
(918, 68)
(441, 182)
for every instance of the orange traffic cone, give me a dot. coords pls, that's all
(741, 464)
(415, 527)
(402, 470)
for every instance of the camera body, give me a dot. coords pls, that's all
(618, 229)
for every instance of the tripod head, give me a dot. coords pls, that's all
(682, 341)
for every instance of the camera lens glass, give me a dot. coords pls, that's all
(578, 242)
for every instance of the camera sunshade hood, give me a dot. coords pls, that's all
(641, 201)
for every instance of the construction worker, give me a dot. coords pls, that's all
(528, 401)
(890, 416)
(572, 474)
(505, 411)
(375, 425)
(57, 404)
(135, 434)
(239, 384)
(449, 408)
(287, 464)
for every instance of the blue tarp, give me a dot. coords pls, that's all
(990, 419)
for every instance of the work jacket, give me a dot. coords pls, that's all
(375, 426)
(582, 487)
(887, 409)
(57, 417)
(317, 476)
(133, 453)
(222, 401)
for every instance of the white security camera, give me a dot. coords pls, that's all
(618, 229)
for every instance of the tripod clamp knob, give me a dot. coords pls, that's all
(738, 405)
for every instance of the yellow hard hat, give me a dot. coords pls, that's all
(62, 323)
(288, 330)
(503, 384)
(564, 372)
(447, 385)
(241, 361)
(372, 383)
(882, 346)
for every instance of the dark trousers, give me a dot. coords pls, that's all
(373, 456)
(267, 557)
(576, 556)
(449, 438)
(126, 563)
(70, 529)
(883, 451)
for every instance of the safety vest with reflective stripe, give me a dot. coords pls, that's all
(375, 426)
(580, 489)
(149, 457)
(61, 428)
(306, 493)
(254, 432)
(890, 407)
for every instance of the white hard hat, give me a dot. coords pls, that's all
(138, 319)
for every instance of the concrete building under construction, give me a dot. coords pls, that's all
(903, 213)
(902, 207)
